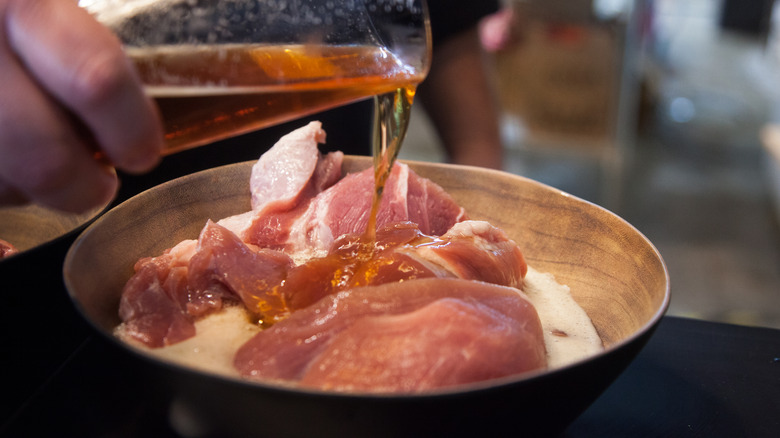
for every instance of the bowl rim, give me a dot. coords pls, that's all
(84, 220)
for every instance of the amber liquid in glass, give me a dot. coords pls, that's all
(210, 93)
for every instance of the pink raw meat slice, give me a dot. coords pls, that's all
(6, 249)
(471, 250)
(344, 208)
(447, 342)
(283, 181)
(281, 174)
(289, 349)
(430, 207)
(271, 221)
(153, 315)
(167, 293)
(299, 203)
(224, 266)
(476, 250)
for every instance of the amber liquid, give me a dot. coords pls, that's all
(210, 93)
(360, 252)
(391, 120)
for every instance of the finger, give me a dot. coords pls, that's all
(81, 63)
(42, 157)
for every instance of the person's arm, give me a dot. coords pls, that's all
(66, 91)
(459, 99)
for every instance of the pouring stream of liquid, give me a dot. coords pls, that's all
(392, 112)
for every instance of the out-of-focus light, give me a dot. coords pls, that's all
(611, 9)
(682, 110)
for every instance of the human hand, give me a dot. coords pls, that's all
(68, 95)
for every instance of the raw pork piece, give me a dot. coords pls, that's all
(282, 183)
(224, 266)
(292, 169)
(401, 337)
(298, 205)
(162, 299)
(445, 343)
(6, 249)
(344, 208)
(153, 300)
(471, 250)
(476, 250)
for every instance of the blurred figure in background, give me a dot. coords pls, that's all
(458, 94)
(499, 30)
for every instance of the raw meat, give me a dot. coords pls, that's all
(401, 337)
(6, 249)
(432, 300)
(293, 169)
(344, 208)
(162, 299)
(224, 266)
(152, 313)
(471, 250)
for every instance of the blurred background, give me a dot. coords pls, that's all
(666, 112)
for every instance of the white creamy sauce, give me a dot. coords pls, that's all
(219, 336)
(569, 334)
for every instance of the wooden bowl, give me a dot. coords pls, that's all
(613, 271)
(31, 290)
(31, 226)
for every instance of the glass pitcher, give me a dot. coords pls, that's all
(219, 68)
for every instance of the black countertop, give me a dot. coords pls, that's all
(697, 379)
